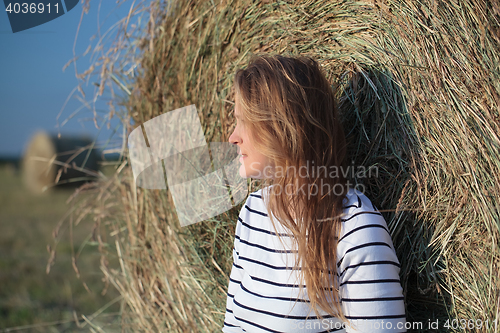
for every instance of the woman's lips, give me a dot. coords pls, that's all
(242, 157)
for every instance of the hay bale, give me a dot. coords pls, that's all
(38, 171)
(419, 87)
(49, 161)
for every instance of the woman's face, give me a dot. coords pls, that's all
(253, 163)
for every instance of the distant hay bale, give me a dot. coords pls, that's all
(49, 161)
(419, 89)
(38, 171)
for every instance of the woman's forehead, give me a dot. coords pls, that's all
(237, 111)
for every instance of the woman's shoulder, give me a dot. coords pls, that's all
(357, 200)
(360, 212)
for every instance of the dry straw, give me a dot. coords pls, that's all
(419, 83)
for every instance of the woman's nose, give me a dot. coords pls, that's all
(234, 138)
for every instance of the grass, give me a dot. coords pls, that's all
(424, 97)
(30, 299)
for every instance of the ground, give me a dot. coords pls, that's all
(30, 299)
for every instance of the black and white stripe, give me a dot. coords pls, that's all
(263, 292)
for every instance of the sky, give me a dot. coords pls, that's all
(33, 86)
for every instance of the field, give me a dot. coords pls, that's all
(30, 299)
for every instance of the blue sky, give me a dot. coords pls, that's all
(33, 86)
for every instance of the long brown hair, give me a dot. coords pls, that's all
(292, 116)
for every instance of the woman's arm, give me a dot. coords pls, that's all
(368, 268)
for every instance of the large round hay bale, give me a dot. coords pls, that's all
(49, 161)
(419, 89)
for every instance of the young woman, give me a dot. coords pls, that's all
(311, 254)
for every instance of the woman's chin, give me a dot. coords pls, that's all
(242, 172)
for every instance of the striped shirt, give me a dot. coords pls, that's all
(263, 292)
